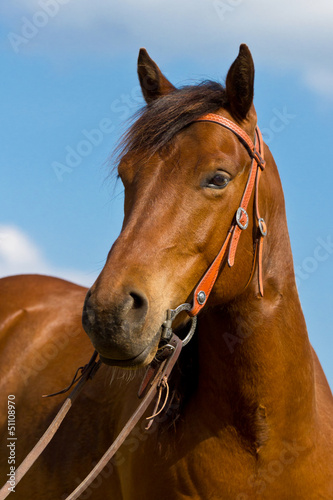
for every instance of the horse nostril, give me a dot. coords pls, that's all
(135, 307)
(139, 301)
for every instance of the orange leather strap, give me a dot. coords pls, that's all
(241, 218)
(241, 134)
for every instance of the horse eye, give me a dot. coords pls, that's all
(218, 181)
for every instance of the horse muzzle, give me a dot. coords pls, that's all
(118, 330)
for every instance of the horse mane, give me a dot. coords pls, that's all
(159, 121)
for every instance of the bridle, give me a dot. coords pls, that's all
(157, 374)
(239, 224)
(241, 219)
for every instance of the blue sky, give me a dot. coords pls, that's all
(69, 85)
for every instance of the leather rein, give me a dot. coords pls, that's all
(158, 372)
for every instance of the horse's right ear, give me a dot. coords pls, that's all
(153, 82)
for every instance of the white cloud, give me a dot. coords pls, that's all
(321, 80)
(20, 255)
(283, 35)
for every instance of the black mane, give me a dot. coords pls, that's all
(161, 120)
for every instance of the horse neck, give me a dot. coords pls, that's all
(255, 358)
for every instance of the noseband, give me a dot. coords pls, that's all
(239, 224)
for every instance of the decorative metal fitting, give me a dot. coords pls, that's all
(239, 214)
(262, 226)
(201, 297)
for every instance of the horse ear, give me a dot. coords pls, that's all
(153, 82)
(239, 84)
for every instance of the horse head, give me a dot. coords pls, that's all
(183, 183)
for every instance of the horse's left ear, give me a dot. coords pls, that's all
(153, 82)
(239, 84)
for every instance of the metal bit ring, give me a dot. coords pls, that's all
(171, 315)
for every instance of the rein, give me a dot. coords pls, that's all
(88, 372)
(170, 354)
(158, 372)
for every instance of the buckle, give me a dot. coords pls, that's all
(262, 226)
(239, 214)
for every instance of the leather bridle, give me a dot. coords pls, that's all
(241, 219)
(239, 224)
(158, 372)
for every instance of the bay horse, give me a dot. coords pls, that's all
(250, 411)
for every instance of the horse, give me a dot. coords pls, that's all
(249, 410)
